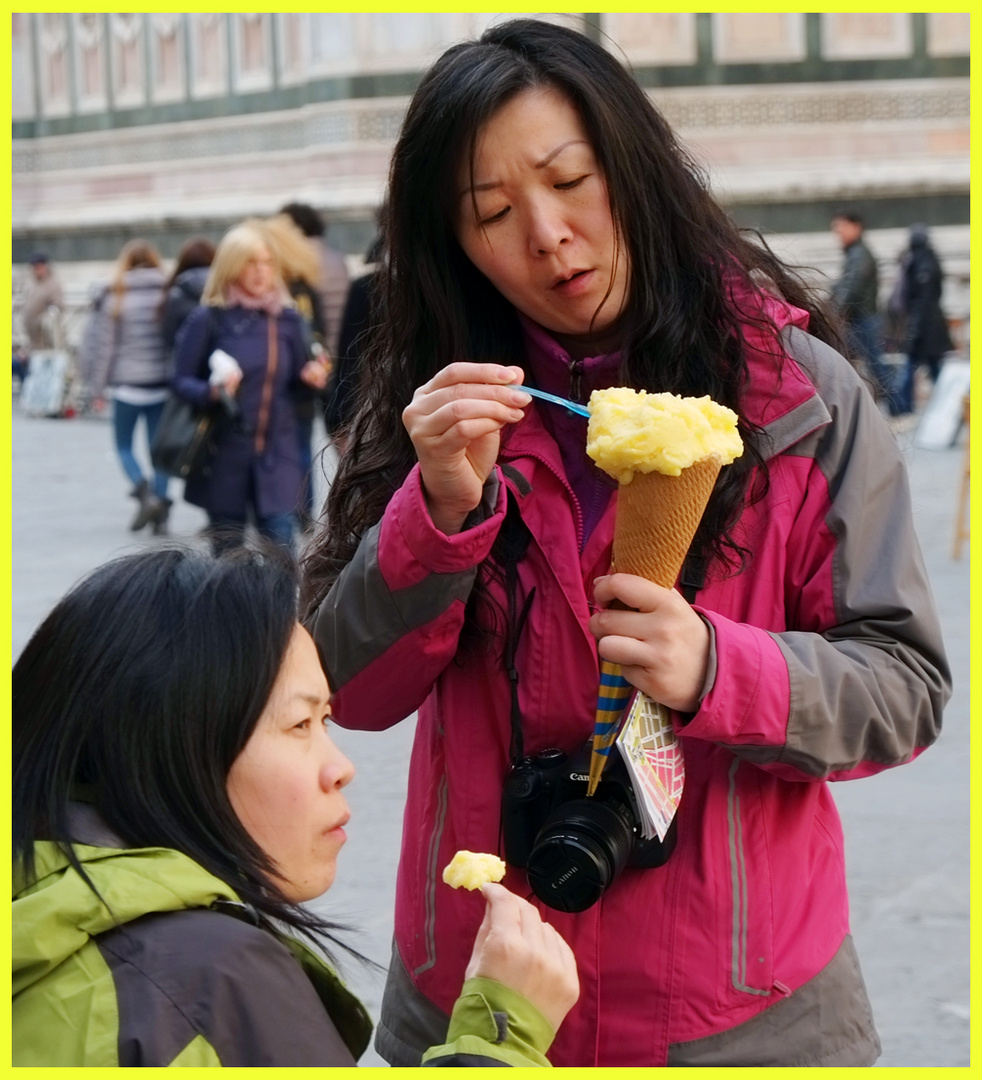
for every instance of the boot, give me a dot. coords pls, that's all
(148, 504)
(161, 515)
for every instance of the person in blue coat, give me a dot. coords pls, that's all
(255, 472)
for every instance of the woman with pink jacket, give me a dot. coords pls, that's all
(544, 226)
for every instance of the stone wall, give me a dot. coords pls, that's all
(170, 125)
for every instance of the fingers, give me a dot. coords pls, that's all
(479, 943)
(458, 422)
(431, 413)
(314, 374)
(662, 646)
(465, 382)
(487, 374)
(633, 592)
(516, 947)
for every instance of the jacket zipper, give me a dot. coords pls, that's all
(264, 405)
(575, 379)
(510, 455)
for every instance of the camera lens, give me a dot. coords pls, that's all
(579, 851)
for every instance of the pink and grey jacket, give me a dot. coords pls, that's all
(827, 664)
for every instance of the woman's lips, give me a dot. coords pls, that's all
(575, 285)
(338, 830)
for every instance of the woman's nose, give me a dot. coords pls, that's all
(337, 771)
(548, 229)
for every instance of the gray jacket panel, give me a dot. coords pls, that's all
(871, 688)
(123, 344)
(187, 973)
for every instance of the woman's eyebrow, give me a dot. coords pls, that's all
(559, 149)
(311, 699)
(490, 185)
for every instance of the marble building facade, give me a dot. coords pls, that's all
(167, 125)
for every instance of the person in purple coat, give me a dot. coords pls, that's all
(255, 472)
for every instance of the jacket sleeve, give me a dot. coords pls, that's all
(858, 681)
(390, 623)
(492, 1025)
(857, 273)
(191, 352)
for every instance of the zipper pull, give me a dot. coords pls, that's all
(575, 380)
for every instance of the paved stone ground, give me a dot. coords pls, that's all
(907, 830)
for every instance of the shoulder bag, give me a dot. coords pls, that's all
(182, 444)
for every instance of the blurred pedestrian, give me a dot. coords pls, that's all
(334, 272)
(355, 327)
(44, 292)
(300, 265)
(855, 295)
(185, 286)
(123, 350)
(917, 300)
(248, 316)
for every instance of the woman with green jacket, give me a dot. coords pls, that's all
(177, 798)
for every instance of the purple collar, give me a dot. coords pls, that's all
(550, 368)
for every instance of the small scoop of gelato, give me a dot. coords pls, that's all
(632, 431)
(471, 869)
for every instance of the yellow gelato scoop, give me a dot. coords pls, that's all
(471, 869)
(633, 431)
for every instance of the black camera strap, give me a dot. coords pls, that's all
(516, 538)
(516, 541)
(693, 576)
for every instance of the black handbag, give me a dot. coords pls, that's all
(184, 440)
(182, 443)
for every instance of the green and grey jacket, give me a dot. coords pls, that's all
(174, 973)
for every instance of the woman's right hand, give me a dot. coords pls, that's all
(515, 947)
(455, 423)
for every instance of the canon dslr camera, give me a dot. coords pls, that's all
(573, 846)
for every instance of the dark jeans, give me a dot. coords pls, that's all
(905, 388)
(864, 342)
(125, 417)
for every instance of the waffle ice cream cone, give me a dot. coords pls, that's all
(657, 517)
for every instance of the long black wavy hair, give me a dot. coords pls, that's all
(137, 693)
(682, 322)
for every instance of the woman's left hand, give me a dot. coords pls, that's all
(661, 644)
(315, 373)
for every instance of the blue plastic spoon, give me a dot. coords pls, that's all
(573, 407)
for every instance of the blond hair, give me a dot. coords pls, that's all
(296, 255)
(235, 249)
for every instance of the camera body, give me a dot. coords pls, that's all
(572, 846)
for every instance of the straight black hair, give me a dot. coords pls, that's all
(137, 693)
(695, 278)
